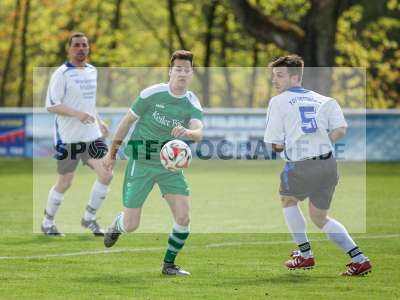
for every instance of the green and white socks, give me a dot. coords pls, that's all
(176, 240)
(119, 223)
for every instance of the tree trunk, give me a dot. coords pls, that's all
(318, 50)
(10, 54)
(171, 10)
(209, 11)
(315, 42)
(116, 22)
(115, 26)
(99, 16)
(228, 100)
(25, 25)
(253, 75)
(170, 30)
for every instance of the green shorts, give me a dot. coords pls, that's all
(141, 177)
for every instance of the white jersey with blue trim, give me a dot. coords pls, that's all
(301, 120)
(76, 88)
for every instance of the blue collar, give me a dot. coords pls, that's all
(69, 65)
(298, 89)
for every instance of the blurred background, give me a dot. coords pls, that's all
(351, 47)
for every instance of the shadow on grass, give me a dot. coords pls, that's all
(115, 279)
(299, 277)
(39, 239)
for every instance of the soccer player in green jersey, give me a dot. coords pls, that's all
(160, 113)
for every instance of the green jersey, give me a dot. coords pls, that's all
(158, 112)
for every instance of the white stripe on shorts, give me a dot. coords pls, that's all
(133, 167)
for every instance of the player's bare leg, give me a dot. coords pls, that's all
(127, 221)
(360, 264)
(302, 258)
(64, 182)
(55, 198)
(180, 208)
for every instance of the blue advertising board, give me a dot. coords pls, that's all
(12, 134)
(228, 133)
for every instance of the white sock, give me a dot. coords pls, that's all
(338, 233)
(297, 226)
(97, 196)
(54, 201)
(181, 228)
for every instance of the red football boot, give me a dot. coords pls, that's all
(358, 269)
(299, 262)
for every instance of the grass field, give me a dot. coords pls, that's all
(225, 265)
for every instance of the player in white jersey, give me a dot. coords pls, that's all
(71, 96)
(303, 125)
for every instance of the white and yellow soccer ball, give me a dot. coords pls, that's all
(175, 155)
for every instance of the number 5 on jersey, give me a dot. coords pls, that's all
(308, 121)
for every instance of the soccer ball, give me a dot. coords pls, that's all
(175, 155)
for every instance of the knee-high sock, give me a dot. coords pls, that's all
(338, 233)
(176, 240)
(97, 196)
(54, 201)
(297, 226)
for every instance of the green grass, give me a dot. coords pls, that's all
(242, 262)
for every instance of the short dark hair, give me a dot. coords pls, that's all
(74, 35)
(293, 62)
(181, 54)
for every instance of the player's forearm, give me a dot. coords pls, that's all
(120, 134)
(337, 133)
(99, 120)
(64, 110)
(195, 135)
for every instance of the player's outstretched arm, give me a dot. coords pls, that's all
(119, 136)
(65, 110)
